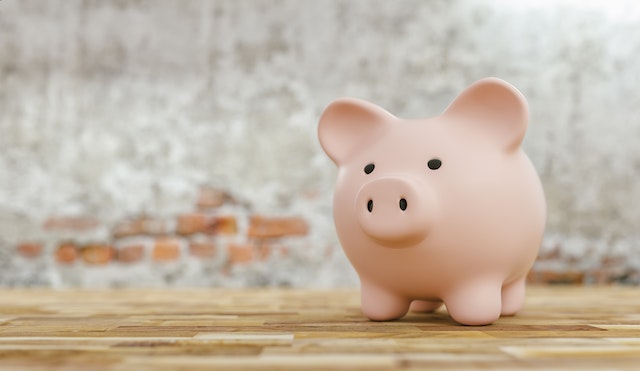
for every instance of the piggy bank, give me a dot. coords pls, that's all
(446, 209)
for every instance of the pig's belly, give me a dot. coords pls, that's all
(419, 275)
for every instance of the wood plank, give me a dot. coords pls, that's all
(560, 328)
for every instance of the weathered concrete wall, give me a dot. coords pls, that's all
(119, 108)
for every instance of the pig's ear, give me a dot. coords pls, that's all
(493, 107)
(348, 124)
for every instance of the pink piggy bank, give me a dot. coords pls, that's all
(446, 209)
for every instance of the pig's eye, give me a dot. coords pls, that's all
(369, 168)
(434, 164)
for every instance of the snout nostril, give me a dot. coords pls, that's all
(370, 205)
(403, 204)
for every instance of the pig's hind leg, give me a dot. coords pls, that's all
(513, 297)
(379, 304)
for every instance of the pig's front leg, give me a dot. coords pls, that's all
(475, 303)
(379, 304)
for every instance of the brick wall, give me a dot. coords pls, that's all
(219, 241)
(555, 265)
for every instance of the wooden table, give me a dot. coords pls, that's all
(560, 328)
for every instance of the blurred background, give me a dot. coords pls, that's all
(152, 143)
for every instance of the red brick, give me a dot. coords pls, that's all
(130, 227)
(612, 261)
(140, 226)
(556, 277)
(97, 254)
(210, 198)
(265, 250)
(66, 253)
(611, 269)
(240, 253)
(166, 249)
(30, 249)
(73, 223)
(131, 253)
(262, 227)
(226, 224)
(187, 224)
(202, 249)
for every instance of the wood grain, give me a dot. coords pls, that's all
(560, 328)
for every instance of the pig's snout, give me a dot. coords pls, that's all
(395, 211)
(402, 204)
